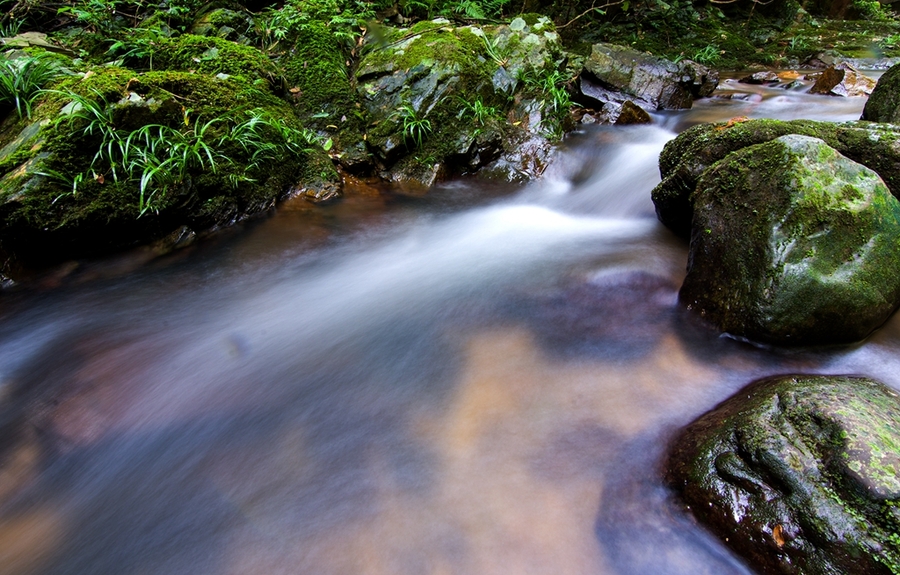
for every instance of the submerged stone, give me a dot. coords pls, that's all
(792, 243)
(799, 474)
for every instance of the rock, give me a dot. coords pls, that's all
(630, 114)
(42, 218)
(793, 244)
(616, 74)
(766, 77)
(843, 80)
(883, 104)
(684, 159)
(34, 40)
(798, 474)
(29, 138)
(437, 98)
(526, 152)
(224, 23)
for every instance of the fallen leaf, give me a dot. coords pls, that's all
(778, 535)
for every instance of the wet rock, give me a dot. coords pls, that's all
(799, 474)
(684, 159)
(616, 74)
(791, 244)
(178, 239)
(884, 103)
(526, 152)
(766, 77)
(842, 80)
(437, 98)
(630, 114)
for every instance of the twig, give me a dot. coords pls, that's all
(595, 7)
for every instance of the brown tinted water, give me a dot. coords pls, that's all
(478, 381)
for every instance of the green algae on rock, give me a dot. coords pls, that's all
(685, 158)
(799, 474)
(793, 244)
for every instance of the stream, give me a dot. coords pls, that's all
(479, 381)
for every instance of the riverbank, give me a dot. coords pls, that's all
(130, 124)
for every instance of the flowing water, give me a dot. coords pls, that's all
(479, 381)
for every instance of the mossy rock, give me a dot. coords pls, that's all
(319, 86)
(212, 55)
(41, 219)
(793, 244)
(799, 474)
(685, 158)
(419, 85)
(234, 25)
(883, 104)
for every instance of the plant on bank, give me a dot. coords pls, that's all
(415, 128)
(478, 111)
(550, 87)
(159, 159)
(344, 19)
(21, 81)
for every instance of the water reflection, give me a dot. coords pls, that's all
(448, 384)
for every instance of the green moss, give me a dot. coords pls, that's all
(316, 71)
(211, 55)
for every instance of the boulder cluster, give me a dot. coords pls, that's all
(794, 232)
(794, 226)
(406, 104)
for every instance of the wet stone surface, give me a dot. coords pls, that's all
(799, 474)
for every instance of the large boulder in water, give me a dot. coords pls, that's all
(799, 474)
(684, 159)
(793, 244)
(617, 74)
(883, 104)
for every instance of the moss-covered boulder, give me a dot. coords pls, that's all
(437, 96)
(883, 104)
(799, 474)
(684, 159)
(616, 73)
(67, 188)
(794, 244)
(319, 86)
(235, 25)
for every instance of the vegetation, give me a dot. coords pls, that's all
(415, 128)
(21, 81)
(142, 109)
(157, 158)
